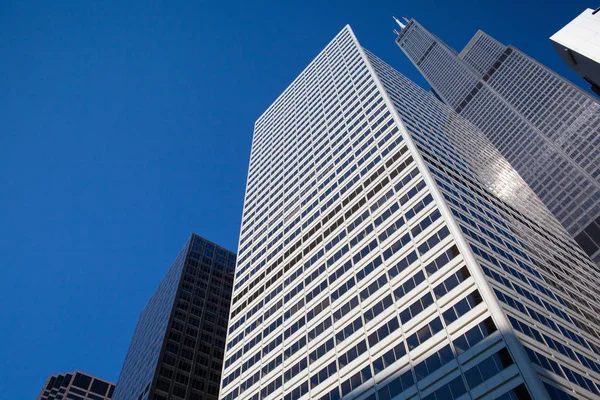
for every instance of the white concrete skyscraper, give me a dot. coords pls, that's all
(578, 44)
(388, 251)
(546, 127)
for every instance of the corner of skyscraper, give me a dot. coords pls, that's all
(546, 127)
(388, 250)
(177, 348)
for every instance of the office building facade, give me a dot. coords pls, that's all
(177, 348)
(578, 45)
(76, 386)
(381, 257)
(547, 128)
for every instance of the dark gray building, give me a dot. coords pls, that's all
(546, 127)
(76, 386)
(177, 347)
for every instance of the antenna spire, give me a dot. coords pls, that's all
(402, 26)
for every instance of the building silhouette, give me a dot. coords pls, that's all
(177, 348)
(388, 250)
(77, 386)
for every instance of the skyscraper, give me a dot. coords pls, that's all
(578, 44)
(177, 347)
(387, 250)
(547, 128)
(77, 386)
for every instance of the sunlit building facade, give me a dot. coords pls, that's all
(177, 348)
(546, 127)
(387, 250)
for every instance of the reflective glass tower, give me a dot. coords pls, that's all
(547, 128)
(388, 250)
(76, 386)
(177, 347)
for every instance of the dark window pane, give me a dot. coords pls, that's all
(82, 381)
(99, 387)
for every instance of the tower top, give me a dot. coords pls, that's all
(402, 26)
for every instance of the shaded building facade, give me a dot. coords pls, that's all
(546, 127)
(389, 251)
(76, 386)
(177, 348)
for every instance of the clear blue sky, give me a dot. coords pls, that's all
(126, 126)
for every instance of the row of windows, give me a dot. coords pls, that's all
(552, 295)
(474, 376)
(247, 213)
(335, 71)
(539, 287)
(562, 348)
(382, 127)
(360, 275)
(321, 65)
(275, 265)
(306, 186)
(574, 377)
(532, 297)
(335, 239)
(380, 333)
(531, 313)
(476, 189)
(524, 279)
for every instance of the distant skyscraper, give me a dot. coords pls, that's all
(177, 348)
(387, 250)
(578, 44)
(76, 386)
(547, 128)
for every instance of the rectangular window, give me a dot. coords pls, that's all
(474, 335)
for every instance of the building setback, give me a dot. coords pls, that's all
(578, 44)
(76, 386)
(546, 127)
(177, 348)
(387, 250)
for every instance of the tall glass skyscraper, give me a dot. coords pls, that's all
(388, 250)
(177, 347)
(547, 128)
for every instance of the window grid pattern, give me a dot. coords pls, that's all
(76, 386)
(177, 347)
(481, 52)
(518, 250)
(355, 247)
(545, 126)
